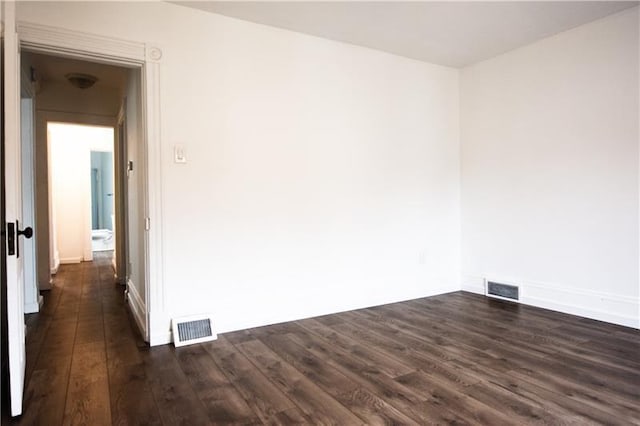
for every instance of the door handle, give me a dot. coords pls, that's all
(12, 237)
(26, 232)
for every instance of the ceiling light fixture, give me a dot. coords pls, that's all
(81, 81)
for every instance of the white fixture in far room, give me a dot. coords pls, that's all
(102, 240)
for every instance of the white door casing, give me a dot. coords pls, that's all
(32, 298)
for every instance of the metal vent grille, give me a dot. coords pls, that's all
(503, 291)
(193, 329)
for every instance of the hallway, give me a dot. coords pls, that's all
(85, 358)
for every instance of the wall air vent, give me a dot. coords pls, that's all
(503, 291)
(193, 329)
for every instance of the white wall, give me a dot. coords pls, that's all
(320, 176)
(550, 170)
(71, 147)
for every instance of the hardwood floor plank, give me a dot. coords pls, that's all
(175, 398)
(439, 349)
(521, 408)
(292, 416)
(130, 392)
(310, 398)
(89, 331)
(543, 336)
(312, 367)
(131, 398)
(372, 409)
(419, 356)
(387, 364)
(444, 403)
(223, 402)
(590, 402)
(369, 376)
(264, 398)
(88, 392)
(46, 392)
(369, 407)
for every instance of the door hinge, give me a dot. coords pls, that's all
(147, 223)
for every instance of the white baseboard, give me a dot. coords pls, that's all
(56, 264)
(67, 260)
(161, 339)
(31, 308)
(608, 307)
(138, 308)
(473, 285)
(226, 327)
(602, 306)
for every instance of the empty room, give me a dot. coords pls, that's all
(334, 212)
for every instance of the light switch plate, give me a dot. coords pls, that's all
(179, 155)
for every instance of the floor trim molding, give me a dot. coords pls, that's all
(601, 306)
(68, 260)
(161, 338)
(137, 306)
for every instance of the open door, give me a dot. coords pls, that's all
(13, 211)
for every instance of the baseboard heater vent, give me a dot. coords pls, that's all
(193, 329)
(502, 291)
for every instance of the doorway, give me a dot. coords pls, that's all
(91, 95)
(76, 100)
(88, 126)
(139, 122)
(82, 190)
(102, 201)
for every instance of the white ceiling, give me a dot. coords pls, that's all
(448, 33)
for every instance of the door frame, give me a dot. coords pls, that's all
(33, 299)
(146, 57)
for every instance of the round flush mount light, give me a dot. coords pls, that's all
(81, 81)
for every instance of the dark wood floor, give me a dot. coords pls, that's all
(451, 359)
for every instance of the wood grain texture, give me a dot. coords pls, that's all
(452, 359)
